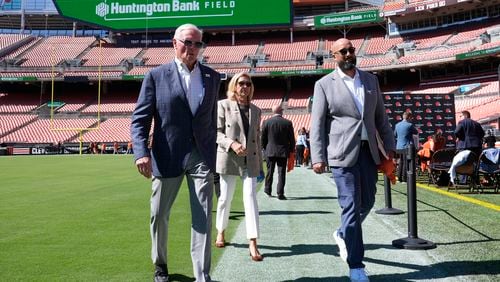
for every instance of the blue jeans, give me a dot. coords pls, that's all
(356, 195)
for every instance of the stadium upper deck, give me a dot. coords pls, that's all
(418, 47)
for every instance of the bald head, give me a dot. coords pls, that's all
(340, 43)
(277, 109)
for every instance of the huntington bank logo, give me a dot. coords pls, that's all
(102, 9)
(164, 9)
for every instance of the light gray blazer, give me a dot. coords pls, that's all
(230, 129)
(335, 134)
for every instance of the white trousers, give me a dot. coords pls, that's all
(227, 187)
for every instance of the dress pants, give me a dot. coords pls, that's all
(402, 171)
(282, 165)
(299, 154)
(227, 188)
(356, 195)
(200, 182)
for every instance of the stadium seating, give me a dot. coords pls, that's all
(158, 55)
(49, 131)
(110, 130)
(52, 50)
(369, 62)
(295, 51)
(297, 103)
(7, 40)
(39, 75)
(18, 103)
(266, 104)
(11, 122)
(381, 45)
(106, 56)
(228, 54)
(268, 57)
(94, 74)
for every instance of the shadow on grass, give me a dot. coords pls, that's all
(316, 279)
(412, 271)
(239, 215)
(448, 269)
(442, 270)
(180, 278)
(293, 212)
(315, 198)
(438, 209)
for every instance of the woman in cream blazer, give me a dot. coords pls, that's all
(239, 155)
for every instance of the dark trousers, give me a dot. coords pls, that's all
(299, 154)
(356, 195)
(402, 171)
(282, 164)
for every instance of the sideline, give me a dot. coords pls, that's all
(460, 197)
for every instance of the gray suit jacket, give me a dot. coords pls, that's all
(176, 130)
(335, 134)
(230, 129)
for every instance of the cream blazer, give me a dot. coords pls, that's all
(230, 129)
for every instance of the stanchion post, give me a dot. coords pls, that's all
(388, 200)
(412, 242)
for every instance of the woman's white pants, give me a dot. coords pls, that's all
(227, 187)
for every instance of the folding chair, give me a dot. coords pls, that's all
(439, 165)
(488, 173)
(468, 172)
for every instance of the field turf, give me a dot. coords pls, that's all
(86, 218)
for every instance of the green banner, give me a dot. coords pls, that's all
(478, 53)
(55, 104)
(336, 19)
(20, 78)
(300, 72)
(168, 14)
(133, 77)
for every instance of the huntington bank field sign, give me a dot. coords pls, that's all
(338, 19)
(168, 14)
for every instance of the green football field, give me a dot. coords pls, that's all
(86, 218)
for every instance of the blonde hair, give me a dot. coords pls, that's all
(231, 88)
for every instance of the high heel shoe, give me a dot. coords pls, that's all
(257, 257)
(220, 244)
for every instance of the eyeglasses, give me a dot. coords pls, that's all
(189, 43)
(245, 83)
(344, 51)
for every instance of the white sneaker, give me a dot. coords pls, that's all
(341, 244)
(358, 275)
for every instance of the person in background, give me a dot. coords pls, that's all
(116, 147)
(129, 148)
(469, 134)
(278, 142)
(300, 146)
(434, 143)
(103, 148)
(93, 148)
(239, 155)
(180, 97)
(347, 112)
(490, 139)
(404, 131)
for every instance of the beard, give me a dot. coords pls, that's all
(347, 65)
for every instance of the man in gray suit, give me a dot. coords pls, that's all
(347, 112)
(181, 98)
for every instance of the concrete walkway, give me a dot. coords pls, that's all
(297, 243)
